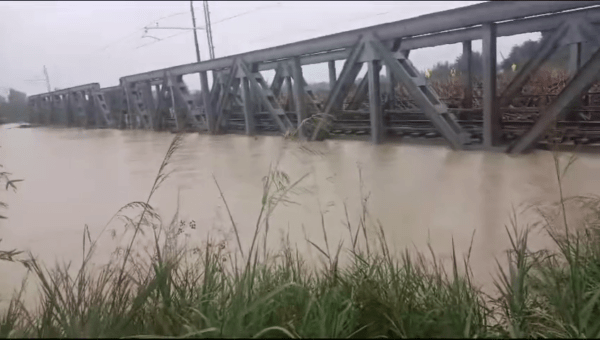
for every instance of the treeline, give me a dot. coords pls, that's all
(14, 108)
(518, 56)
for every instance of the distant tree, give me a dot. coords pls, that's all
(15, 109)
(520, 54)
(197, 95)
(460, 64)
(441, 71)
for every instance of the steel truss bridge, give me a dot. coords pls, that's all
(240, 100)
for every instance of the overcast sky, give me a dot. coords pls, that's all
(87, 42)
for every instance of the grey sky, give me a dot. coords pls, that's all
(86, 42)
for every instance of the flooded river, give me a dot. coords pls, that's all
(79, 177)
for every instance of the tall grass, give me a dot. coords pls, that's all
(173, 290)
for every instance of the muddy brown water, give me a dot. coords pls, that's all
(418, 193)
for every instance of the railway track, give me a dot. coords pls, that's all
(405, 119)
(581, 127)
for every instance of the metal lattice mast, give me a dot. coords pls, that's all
(47, 79)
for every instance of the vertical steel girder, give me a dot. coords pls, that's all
(79, 111)
(390, 87)
(581, 82)
(208, 110)
(425, 97)
(290, 98)
(248, 107)
(52, 115)
(142, 109)
(111, 102)
(46, 109)
(467, 75)
(162, 108)
(377, 126)
(343, 85)
(492, 119)
(278, 79)
(32, 110)
(296, 75)
(299, 98)
(349, 72)
(227, 96)
(166, 115)
(332, 74)
(103, 113)
(59, 110)
(267, 98)
(92, 114)
(127, 120)
(361, 90)
(216, 88)
(574, 58)
(189, 116)
(256, 101)
(311, 96)
(545, 51)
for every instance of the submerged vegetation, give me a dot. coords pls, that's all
(170, 289)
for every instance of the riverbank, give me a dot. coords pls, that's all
(361, 289)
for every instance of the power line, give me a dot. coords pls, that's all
(334, 25)
(137, 31)
(159, 40)
(247, 12)
(173, 28)
(168, 16)
(182, 13)
(214, 23)
(118, 41)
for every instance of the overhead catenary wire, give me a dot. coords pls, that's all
(362, 17)
(138, 31)
(159, 40)
(212, 23)
(119, 40)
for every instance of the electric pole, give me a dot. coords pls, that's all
(211, 46)
(203, 79)
(47, 79)
(195, 33)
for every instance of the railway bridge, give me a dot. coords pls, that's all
(486, 116)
